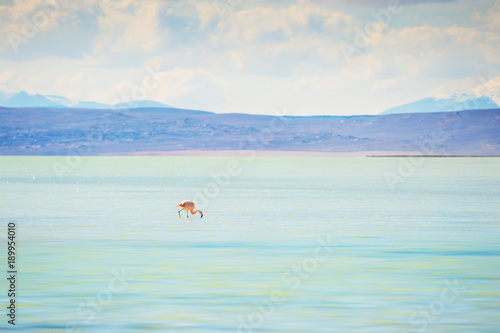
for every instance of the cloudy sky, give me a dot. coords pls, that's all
(332, 57)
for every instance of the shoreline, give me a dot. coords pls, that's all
(255, 153)
(258, 153)
(278, 153)
(433, 156)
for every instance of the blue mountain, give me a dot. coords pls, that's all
(453, 103)
(25, 100)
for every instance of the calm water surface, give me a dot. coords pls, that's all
(286, 244)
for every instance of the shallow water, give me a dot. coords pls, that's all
(285, 245)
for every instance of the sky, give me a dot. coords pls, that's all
(315, 57)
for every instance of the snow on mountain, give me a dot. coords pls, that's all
(489, 89)
(24, 100)
(481, 97)
(460, 102)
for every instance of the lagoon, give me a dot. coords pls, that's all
(286, 244)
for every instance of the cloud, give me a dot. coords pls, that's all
(277, 41)
(36, 29)
(129, 27)
(385, 85)
(281, 24)
(380, 3)
(255, 56)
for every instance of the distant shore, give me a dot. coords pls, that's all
(264, 153)
(280, 153)
(433, 155)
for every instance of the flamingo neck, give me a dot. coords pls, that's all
(196, 211)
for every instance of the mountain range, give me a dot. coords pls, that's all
(24, 100)
(71, 131)
(457, 102)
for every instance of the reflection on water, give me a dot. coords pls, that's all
(288, 245)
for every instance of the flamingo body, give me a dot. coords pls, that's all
(188, 206)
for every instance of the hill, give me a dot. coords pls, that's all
(63, 131)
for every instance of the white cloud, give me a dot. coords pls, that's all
(271, 24)
(386, 85)
(259, 55)
(129, 27)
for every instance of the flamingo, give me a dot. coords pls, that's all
(188, 206)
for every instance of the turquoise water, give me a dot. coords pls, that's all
(286, 244)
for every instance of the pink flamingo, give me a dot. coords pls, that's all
(188, 206)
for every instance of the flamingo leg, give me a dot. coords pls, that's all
(179, 212)
(187, 214)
